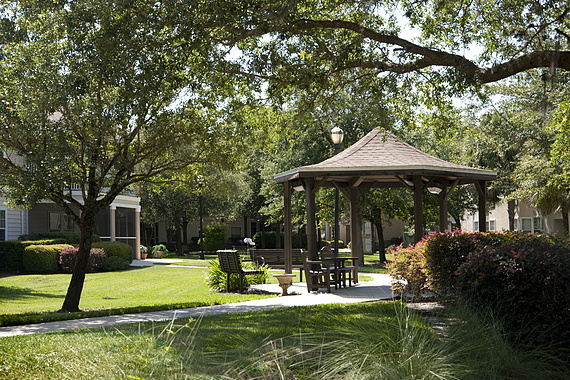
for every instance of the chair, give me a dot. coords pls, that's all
(230, 263)
(338, 277)
(317, 275)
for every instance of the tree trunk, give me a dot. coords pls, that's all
(511, 209)
(179, 237)
(73, 296)
(381, 249)
(359, 239)
(185, 222)
(263, 234)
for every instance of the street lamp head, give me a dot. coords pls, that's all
(337, 135)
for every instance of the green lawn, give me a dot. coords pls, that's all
(150, 288)
(381, 340)
(24, 298)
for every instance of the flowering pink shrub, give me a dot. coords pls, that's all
(407, 270)
(526, 283)
(524, 279)
(67, 258)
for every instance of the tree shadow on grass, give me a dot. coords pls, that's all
(10, 293)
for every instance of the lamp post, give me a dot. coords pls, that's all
(337, 136)
(200, 232)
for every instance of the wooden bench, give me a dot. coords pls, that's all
(275, 258)
(230, 263)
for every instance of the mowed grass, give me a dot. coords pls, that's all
(156, 287)
(208, 347)
(369, 341)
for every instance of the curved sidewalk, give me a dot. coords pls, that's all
(378, 289)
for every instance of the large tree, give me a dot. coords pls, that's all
(307, 44)
(91, 105)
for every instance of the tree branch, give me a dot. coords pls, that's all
(429, 57)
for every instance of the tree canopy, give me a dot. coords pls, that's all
(91, 104)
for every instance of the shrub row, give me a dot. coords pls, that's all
(43, 259)
(527, 284)
(66, 237)
(271, 240)
(117, 249)
(12, 253)
(524, 279)
(35, 257)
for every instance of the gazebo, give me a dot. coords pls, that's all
(379, 160)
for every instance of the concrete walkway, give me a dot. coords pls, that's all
(364, 291)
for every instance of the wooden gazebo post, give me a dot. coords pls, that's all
(418, 209)
(379, 160)
(287, 239)
(311, 219)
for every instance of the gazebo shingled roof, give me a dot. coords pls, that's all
(380, 157)
(380, 160)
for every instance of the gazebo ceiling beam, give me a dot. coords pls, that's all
(453, 186)
(355, 182)
(319, 184)
(406, 184)
(375, 182)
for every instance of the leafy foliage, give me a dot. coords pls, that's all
(12, 253)
(214, 236)
(43, 258)
(445, 252)
(68, 257)
(68, 237)
(271, 240)
(526, 283)
(217, 279)
(115, 248)
(522, 278)
(115, 263)
(407, 270)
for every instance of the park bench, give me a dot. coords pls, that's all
(230, 263)
(275, 258)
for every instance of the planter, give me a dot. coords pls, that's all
(143, 256)
(285, 281)
(159, 254)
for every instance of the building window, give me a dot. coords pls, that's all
(490, 224)
(235, 231)
(60, 222)
(2, 224)
(537, 224)
(533, 224)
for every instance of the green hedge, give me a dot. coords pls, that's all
(214, 236)
(115, 248)
(12, 252)
(67, 237)
(43, 258)
(271, 240)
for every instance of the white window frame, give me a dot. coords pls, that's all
(540, 228)
(3, 222)
(65, 223)
(488, 224)
(520, 222)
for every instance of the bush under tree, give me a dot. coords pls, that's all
(214, 236)
(522, 279)
(68, 257)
